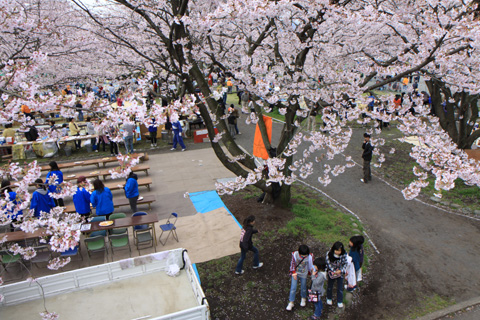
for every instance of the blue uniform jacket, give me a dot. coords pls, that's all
(131, 188)
(12, 196)
(41, 201)
(152, 128)
(177, 127)
(59, 179)
(81, 200)
(102, 201)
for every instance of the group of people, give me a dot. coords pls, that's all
(335, 267)
(101, 198)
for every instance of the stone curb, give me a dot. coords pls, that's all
(451, 309)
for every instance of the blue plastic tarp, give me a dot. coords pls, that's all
(205, 201)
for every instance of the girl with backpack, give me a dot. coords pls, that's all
(301, 266)
(246, 244)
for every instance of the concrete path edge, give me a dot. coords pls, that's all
(456, 307)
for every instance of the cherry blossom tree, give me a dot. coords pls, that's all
(457, 113)
(300, 55)
(293, 56)
(36, 38)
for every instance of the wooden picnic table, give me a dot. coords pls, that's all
(62, 140)
(90, 162)
(140, 167)
(150, 219)
(103, 173)
(22, 235)
(124, 222)
(141, 182)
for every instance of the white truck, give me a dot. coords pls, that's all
(135, 288)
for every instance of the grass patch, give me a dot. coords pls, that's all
(398, 168)
(429, 305)
(319, 219)
(275, 114)
(219, 269)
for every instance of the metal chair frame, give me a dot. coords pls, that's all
(93, 239)
(121, 235)
(169, 227)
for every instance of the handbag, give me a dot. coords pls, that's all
(312, 296)
(333, 275)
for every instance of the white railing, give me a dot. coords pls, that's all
(80, 279)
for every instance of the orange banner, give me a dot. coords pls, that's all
(259, 149)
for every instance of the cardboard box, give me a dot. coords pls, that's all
(201, 135)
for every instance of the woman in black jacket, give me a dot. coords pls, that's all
(246, 244)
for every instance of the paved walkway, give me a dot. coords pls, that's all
(174, 175)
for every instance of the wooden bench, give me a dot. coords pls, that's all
(88, 175)
(103, 173)
(141, 182)
(90, 162)
(141, 167)
(64, 165)
(120, 202)
(106, 160)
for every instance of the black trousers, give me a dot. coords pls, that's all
(113, 147)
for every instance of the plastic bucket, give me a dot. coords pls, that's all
(68, 151)
(165, 135)
(89, 147)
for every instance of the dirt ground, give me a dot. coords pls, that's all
(263, 293)
(394, 287)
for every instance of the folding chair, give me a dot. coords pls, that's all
(72, 253)
(96, 244)
(118, 241)
(101, 232)
(143, 233)
(43, 255)
(170, 228)
(7, 258)
(114, 216)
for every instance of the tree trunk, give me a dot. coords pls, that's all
(461, 112)
(285, 196)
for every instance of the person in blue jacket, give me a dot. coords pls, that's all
(131, 191)
(41, 200)
(177, 136)
(153, 133)
(12, 196)
(81, 199)
(102, 199)
(54, 188)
